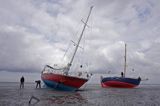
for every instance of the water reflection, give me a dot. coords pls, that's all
(73, 98)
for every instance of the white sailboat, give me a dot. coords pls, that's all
(59, 78)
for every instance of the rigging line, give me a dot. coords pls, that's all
(69, 45)
(79, 40)
(66, 51)
(80, 37)
(81, 56)
(84, 44)
(75, 33)
(74, 37)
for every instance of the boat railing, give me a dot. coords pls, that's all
(49, 69)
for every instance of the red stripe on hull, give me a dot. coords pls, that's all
(117, 84)
(66, 80)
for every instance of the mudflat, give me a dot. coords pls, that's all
(90, 95)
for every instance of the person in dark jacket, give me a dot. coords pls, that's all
(38, 83)
(22, 82)
(122, 74)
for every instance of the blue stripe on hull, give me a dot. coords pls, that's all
(58, 86)
(121, 79)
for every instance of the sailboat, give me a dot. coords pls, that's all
(123, 81)
(59, 78)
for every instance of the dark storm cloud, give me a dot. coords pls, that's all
(39, 32)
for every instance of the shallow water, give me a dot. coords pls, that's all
(144, 95)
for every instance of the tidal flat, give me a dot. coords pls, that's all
(89, 95)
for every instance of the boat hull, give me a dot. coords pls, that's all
(119, 82)
(62, 82)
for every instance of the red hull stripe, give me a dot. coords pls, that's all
(66, 80)
(117, 84)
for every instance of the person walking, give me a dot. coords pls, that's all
(22, 82)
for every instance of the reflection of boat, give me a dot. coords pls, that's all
(120, 82)
(67, 99)
(60, 78)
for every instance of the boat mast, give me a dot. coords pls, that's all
(77, 45)
(125, 59)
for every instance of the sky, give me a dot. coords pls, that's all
(34, 33)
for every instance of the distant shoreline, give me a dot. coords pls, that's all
(14, 82)
(88, 83)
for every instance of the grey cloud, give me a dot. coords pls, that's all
(39, 32)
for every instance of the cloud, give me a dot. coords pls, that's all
(22, 51)
(37, 32)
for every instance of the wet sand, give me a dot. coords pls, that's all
(91, 95)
